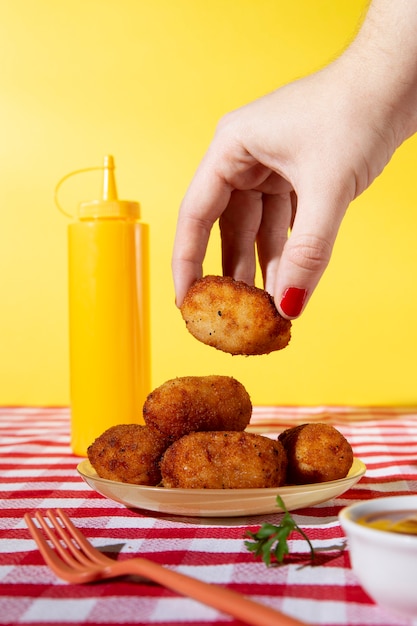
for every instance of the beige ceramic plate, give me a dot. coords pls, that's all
(219, 502)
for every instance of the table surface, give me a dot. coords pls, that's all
(38, 471)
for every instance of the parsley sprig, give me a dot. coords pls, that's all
(271, 541)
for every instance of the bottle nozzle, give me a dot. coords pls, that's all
(109, 206)
(109, 181)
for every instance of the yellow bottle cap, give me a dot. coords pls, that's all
(109, 205)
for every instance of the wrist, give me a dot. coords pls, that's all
(384, 60)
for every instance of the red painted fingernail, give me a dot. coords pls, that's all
(292, 301)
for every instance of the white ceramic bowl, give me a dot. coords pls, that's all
(384, 562)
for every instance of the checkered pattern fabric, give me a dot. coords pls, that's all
(38, 471)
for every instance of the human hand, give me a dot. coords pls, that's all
(280, 174)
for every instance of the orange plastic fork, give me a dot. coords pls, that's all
(77, 561)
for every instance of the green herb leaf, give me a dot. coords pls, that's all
(271, 541)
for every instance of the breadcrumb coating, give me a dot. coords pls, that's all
(128, 453)
(224, 460)
(316, 453)
(234, 317)
(197, 403)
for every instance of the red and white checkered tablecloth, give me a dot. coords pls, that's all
(38, 471)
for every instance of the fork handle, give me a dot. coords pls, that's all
(221, 598)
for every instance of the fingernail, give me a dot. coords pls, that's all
(292, 301)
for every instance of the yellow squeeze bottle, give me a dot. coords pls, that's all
(109, 321)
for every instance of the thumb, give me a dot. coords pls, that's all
(304, 259)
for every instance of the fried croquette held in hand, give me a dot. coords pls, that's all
(316, 453)
(128, 453)
(224, 460)
(197, 403)
(234, 317)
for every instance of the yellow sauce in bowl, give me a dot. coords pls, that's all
(404, 522)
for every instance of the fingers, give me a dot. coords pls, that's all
(306, 254)
(273, 235)
(229, 186)
(189, 249)
(239, 225)
(205, 200)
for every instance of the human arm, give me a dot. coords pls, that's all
(321, 140)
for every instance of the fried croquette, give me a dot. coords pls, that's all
(316, 453)
(224, 460)
(128, 453)
(234, 317)
(197, 403)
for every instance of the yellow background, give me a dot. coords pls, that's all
(147, 82)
